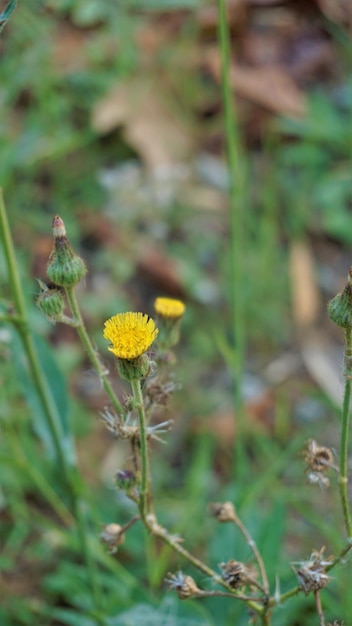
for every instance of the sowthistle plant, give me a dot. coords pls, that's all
(131, 336)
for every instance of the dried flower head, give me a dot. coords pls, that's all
(184, 586)
(131, 334)
(222, 511)
(169, 307)
(237, 574)
(112, 535)
(312, 574)
(158, 391)
(319, 460)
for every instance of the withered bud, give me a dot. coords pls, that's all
(184, 586)
(312, 574)
(222, 511)
(112, 536)
(236, 574)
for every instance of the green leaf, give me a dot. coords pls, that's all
(57, 386)
(6, 13)
(170, 612)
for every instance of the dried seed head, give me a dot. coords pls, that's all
(312, 574)
(318, 458)
(236, 574)
(222, 511)
(112, 536)
(184, 586)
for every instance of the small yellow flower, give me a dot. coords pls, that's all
(131, 334)
(169, 307)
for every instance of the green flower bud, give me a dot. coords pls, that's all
(65, 267)
(340, 307)
(51, 302)
(133, 369)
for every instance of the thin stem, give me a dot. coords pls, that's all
(87, 344)
(174, 543)
(281, 599)
(39, 380)
(343, 479)
(145, 492)
(223, 594)
(255, 551)
(236, 191)
(319, 608)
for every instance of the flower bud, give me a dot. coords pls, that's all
(340, 307)
(51, 303)
(125, 479)
(65, 268)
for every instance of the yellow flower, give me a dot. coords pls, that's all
(131, 334)
(169, 307)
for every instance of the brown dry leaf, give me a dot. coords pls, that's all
(208, 17)
(270, 86)
(222, 425)
(68, 49)
(150, 124)
(161, 270)
(321, 361)
(306, 303)
(340, 12)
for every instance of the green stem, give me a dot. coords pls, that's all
(145, 489)
(236, 191)
(87, 344)
(255, 551)
(39, 380)
(284, 596)
(343, 479)
(66, 462)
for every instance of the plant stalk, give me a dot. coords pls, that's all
(87, 344)
(236, 199)
(145, 489)
(343, 478)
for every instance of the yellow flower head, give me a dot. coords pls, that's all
(169, 307)
(131, 334)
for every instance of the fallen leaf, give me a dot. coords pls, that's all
(149, 122)
(268, 86)
(306, 304)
